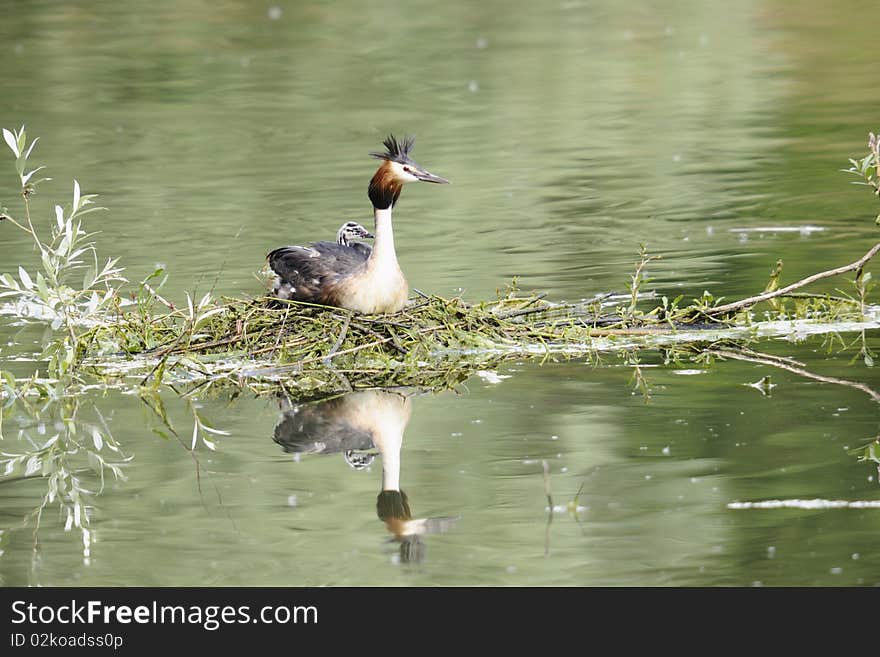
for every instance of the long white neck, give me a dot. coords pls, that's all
(383, 247)
(391, 464)
(389, 420)
(385, 415)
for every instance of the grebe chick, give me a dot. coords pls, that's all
(355, 276)
(352, 230)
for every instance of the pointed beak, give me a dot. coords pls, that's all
(426, 176)
(368, 235)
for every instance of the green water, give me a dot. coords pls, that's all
(572, 132)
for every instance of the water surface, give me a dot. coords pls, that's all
(572, 132)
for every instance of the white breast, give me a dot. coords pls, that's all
(381, 288)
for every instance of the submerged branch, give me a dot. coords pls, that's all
(750, 356)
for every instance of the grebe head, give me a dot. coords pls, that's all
(351, 230)
(397, 169)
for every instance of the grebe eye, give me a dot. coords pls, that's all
(407, 169)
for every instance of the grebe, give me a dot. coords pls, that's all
(362, 425)
(334, 274)
(352, 230)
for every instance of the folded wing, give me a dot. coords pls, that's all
(310, 273)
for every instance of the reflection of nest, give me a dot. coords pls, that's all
(322, 428)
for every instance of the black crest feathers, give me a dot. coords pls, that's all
(396, 151)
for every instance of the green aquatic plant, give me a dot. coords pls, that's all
(637, 281)
(869, 453)
(868, 168)
(17, 142)
(72, 288)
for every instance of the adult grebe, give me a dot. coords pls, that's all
(334, 274)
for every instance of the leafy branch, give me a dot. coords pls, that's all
(868, 167)
(56, 293)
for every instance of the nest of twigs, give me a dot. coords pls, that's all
(433, 342)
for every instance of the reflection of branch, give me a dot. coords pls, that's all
(781, 292)
(60, 464)
(549, 507)
(784, 364)
(153, 401)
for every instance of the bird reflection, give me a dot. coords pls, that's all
(362, 425)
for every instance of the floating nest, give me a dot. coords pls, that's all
(434, 342)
